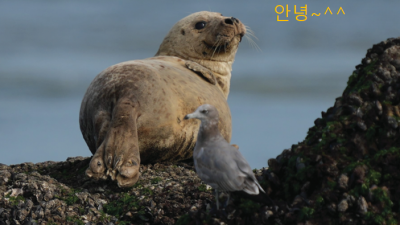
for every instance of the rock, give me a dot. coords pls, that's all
(343, 181)
(57, 194)
(268, 214)
(5, 175)
(362, 205)
(343, 206)
(300, 164)
(353, 147)
(332, 208)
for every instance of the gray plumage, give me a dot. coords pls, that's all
(218, 163)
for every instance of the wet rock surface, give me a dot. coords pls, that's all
(60, 193)
(346, 171)
(350, 158)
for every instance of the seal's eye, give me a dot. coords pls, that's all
(204, 111)
(200, 25)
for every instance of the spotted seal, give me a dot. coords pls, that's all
(133, 111)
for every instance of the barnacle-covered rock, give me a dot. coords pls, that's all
(351, 156)
(60, 193)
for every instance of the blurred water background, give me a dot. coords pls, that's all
(51, 50)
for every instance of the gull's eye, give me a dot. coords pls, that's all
(204, 111)
(200, 25)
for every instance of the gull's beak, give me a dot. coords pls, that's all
(188, 116)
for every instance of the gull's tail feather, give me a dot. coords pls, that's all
(259, 186)
(252, 187)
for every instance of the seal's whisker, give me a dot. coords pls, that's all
(215, 48)
(225, 45)
(250, 32)
(253, 43)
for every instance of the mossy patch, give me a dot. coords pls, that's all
(156, 180)
(306, 213)
(68, 196)
(14, 200)
(75, 220)
(124, 204)
(202, 187)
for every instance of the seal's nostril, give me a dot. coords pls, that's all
(235, 20)
(229, 21)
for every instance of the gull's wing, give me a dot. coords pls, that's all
(251, 184)
(215, 166)
(222, 165)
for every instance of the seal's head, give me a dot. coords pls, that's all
(208, 38)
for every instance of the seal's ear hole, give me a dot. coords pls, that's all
(200, 25)
(183, 32)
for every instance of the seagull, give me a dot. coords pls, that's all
(218, 163)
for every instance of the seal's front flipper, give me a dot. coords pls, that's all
(202, 71)
(121, 146)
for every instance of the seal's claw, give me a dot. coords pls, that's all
(128, 172)
(124, 182)
(95, 171)
(96, 166)
(128, 176)
(113, 174)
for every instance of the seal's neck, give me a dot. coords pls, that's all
(221, 69)
(208, 131)
(217, 67)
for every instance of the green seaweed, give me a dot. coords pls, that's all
(74, 220)
(391, 151)
(147, 191)
(331, 184)
(358, 81)
(306, 213)
(14, 200)
(386, 215)
(156, 180)
(137, 185)
(122, 205)
(71, 197)
(202, 188)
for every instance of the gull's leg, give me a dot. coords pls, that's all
(216, 198)
(227, 200)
